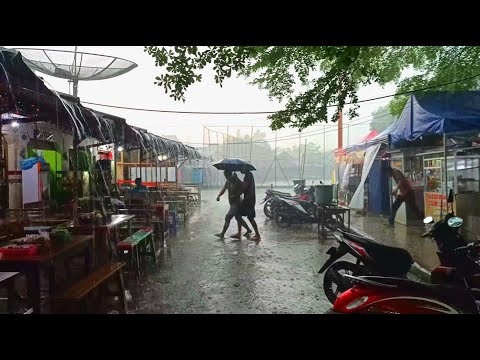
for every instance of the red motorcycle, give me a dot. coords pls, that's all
(455, 289)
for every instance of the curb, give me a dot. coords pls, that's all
(416, 271)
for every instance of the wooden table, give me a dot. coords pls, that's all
(50, 222)
(31, 265)
(106, 235)
(36, 229)
(326, 212)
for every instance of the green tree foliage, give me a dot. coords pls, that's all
(381, 119)
(327, 76)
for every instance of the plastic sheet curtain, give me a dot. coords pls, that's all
(357, 201)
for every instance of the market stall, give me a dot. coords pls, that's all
(348, 168)
(442, 129)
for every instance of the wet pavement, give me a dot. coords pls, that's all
(423, 250)
(198, 273)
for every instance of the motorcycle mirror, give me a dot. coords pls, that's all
(455, 222)
(428, 220)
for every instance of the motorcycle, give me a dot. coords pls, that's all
(372, 258)
(273, 198)
(291, 212)
(456, 291)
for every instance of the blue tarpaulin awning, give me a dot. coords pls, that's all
(437, 113)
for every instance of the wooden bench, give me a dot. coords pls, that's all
(139, 243)
(78, 293)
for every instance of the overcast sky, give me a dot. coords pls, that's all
(137, 89)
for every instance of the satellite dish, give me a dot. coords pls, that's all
(74, 65)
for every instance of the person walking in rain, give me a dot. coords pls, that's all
(404, 193)
(248, 204)
(235, 189)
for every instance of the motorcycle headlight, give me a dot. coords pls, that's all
(360, 301)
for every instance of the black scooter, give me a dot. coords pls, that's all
(372, 258)
(289, 211)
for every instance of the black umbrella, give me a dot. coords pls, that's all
(234, 165)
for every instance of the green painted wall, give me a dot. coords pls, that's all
(54, 158)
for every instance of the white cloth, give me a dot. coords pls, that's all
(357, 201)
(345, 177)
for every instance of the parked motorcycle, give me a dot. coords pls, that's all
(291, 212)
(456, 289)
(372, 258)
(273, 198)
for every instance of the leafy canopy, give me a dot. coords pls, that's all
(311, 79)
(381, 119)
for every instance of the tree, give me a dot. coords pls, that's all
(381, 119)
(329, 76)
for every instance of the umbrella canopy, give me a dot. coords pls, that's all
(234, 165)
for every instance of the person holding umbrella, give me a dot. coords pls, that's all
(235, 189)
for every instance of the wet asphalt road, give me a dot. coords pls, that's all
(198, 273)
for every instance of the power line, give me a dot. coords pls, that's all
(310, 133)
(273, 112)
(289, 137)
(306, 134)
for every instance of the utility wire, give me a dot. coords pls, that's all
(273, 112)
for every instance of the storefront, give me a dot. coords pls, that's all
(410, 165)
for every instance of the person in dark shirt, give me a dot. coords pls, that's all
(247, 207)
(404, 193)
(235, 189)
(139, 187)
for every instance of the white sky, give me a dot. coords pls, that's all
(137, 89)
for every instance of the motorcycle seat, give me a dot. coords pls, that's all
(435, 289)
(388, 259)
(280, 193)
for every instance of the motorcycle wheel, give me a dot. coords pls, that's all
(333, 283)
(267, 209)
(282, 220)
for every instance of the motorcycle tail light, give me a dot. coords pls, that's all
(356, 303)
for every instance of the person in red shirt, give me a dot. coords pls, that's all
(403, 193)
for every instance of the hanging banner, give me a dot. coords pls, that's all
(357, 201)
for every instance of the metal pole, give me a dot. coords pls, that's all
(275, 159)
(75, 87)
(114, 152)
(223, 145)
(324, 148)
(340, 129)
(445, 165)
(76, 142)
(228, 152)
(203, 149)
(251, 144)
(304, 158)
(3, 171)
(299, 151)
(455, 172)
(75, 78)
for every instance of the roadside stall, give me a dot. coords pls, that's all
(442, 129)
(41, 127)
(348, 168)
